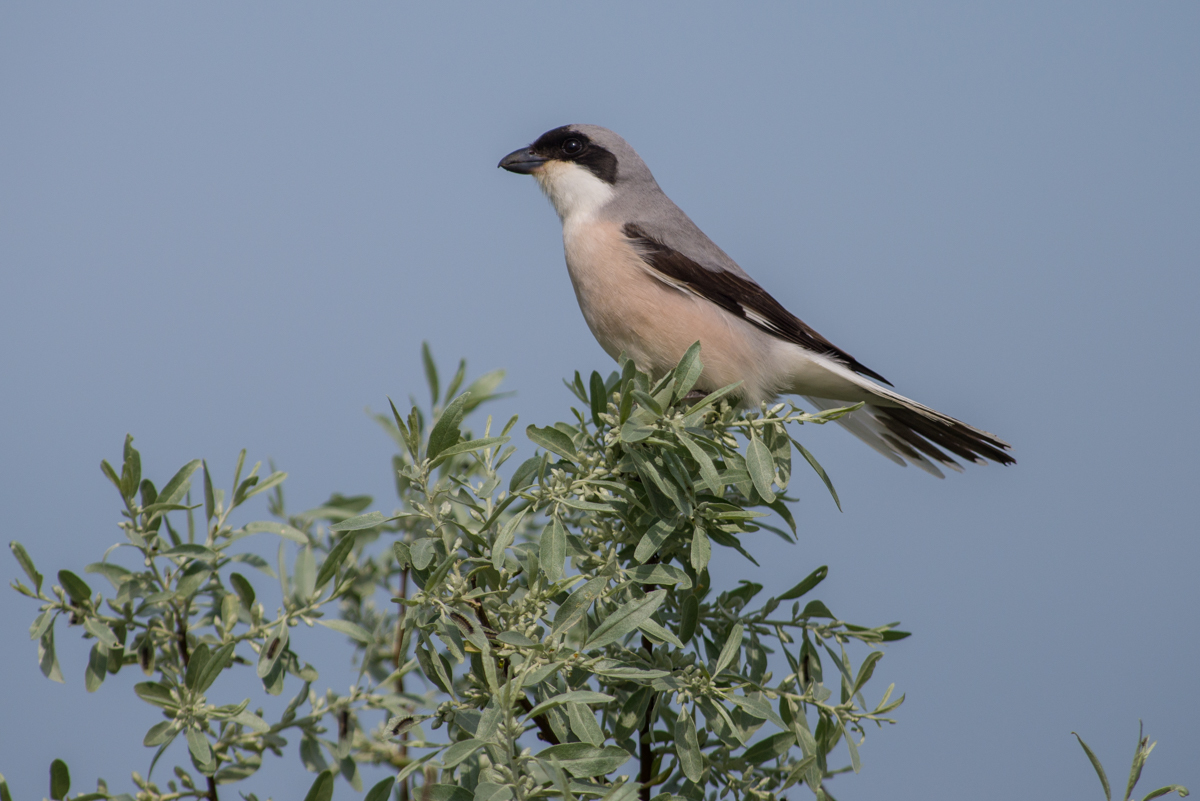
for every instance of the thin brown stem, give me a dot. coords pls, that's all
(211, 795)
(181, 634)
(396, 657)
(645, 744)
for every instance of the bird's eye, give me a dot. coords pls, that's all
(572, 147)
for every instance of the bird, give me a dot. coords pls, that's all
(650, 283)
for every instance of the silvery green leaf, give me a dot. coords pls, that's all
(42, 623)
(304, 573)
(422, 552)
(625, 619)
(431, 374)
(855, 762)
(577, 604)
(352, 630)
(708, 471)
(26, 564)
(662, 574)
(446, 431)
(689, 617)
(199, 746)
(1097, 766)
(583, 759)
(597, 398)
(115, 574)
(761, 467)
(583, 724)
(101, 632)
(701, 550)
(553, 440)
(688, 371)
(159, 733)
(275, 645)
(251, 721)
(687, 747)
(820, 471)
(656, 632)
(613, 669)
(175, 489)
(381, 791)
(459, 751)
(97, 668)
(334, 560)
(273, 527)
(538, 675)
(770, 748)
(553, 549)
(813, 579)
(730, 650)
(653, 539)
(626, 791)
(359, 522)
(271, 481)
(505, 538)
(573, 697)
(489, 791)
(468, 447)
(448, 792)
(322, 786)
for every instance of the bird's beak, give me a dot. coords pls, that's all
(523, 161)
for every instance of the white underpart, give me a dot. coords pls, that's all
(576, 193)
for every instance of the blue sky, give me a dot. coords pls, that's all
(230, 225)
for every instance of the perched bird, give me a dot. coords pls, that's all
(650, 283)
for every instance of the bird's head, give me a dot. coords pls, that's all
(579, 167)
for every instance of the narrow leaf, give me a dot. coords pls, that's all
(360, 522)
(687, 746)
(322, 787)
(446, 431)
(553, 440)
(26, 563)
(381, 791)
(175, 489)
(577, 604)
(76, 588)
(334, 560)
(761, 467)
(731, 648)
(552, 550)
(813, 579)
(625, 619)
(701, 550)
(820, 471)
(431, 374)
(352, 630)
(573, 697)
(689, 616)
(1098, 767)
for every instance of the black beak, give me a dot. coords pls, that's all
(523, 161)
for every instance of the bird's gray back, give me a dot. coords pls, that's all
(641, 201)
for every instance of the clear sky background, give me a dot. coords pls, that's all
(230, 225)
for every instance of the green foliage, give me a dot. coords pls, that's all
(1140, 754)
(549, 634)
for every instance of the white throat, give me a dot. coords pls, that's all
(576, 193)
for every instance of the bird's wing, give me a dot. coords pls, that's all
(738, 294)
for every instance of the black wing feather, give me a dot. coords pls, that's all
(741, 296)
